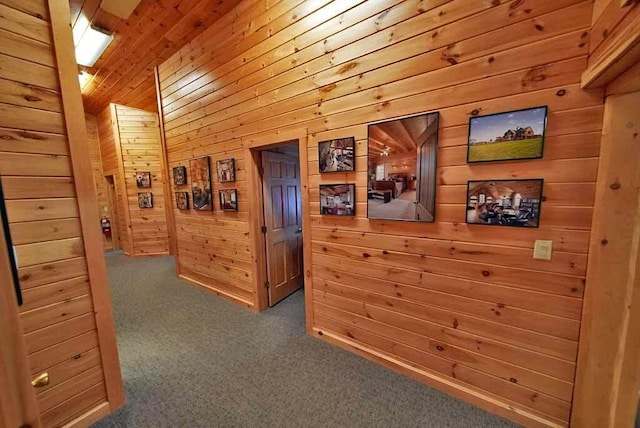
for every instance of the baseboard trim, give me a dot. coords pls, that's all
(476, 398)
(90, 417)
(218, 292)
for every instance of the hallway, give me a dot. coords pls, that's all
(192, 359)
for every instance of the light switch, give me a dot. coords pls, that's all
(542, 250)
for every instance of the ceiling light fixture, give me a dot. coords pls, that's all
(84, 79)
(92, 45)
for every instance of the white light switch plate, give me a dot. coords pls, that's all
(542, 250)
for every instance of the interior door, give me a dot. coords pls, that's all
(283, 224)
(18, 407)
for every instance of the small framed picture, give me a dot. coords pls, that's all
(145, 200)
(513, 135)
(182, 200)
(338, 199)
(226, 170)
(337, 155)
(229, 200)
(180, 175)
(143, 179)
(504, 202)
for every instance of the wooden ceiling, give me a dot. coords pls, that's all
(155, 30)
(396, 136)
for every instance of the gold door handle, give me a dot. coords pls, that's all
(40, 380)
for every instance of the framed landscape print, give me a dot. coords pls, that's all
(338, 199)
(226, 170)
(201, 184)
(401, 168)
(180, 175)
(143, 179)
(229, 200)
(182, 200)
(512, 135)
(504, 202)
(337, 155)
(145, 200)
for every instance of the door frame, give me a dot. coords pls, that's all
(114, 214)
(257, 238)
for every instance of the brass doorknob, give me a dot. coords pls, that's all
(40, 380)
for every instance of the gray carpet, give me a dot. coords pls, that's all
(191, 359)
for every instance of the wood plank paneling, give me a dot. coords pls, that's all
(58, 314)
(98, 174)
(464, 304)
(130, 143)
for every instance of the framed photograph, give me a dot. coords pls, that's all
(338, 199)
(517, 134)
(182, 200)
(201, 184)
(180, 175)
(145, 200)
(143, 179)
(337, 155)
(226, 170)
(401, 168)
(229, 200)
(504, 202)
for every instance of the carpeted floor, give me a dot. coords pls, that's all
(191, 359)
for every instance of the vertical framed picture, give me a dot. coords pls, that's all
(337, 155)
(226, 170)
(180, 175)
(338, 199)
(512, 135)
(143, 179)
(145, 200)
(182, 200)
(229, 200)
(505, 202)
(201, 184)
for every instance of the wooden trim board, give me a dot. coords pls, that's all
(86, 197)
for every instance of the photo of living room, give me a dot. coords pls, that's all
(402, 168)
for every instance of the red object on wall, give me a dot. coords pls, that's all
(106, 227)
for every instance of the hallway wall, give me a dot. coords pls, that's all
(463, 308)
(63, 334)
(130, 143)
(98, 175)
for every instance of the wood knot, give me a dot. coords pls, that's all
(32, 98)
(347, 67)
(440, 348)
(604, 241)
(366, 255)
(561, 92)
(513, 380)
(475, 112)
(325, 249)
(495, 3)
(539, 27)
(491, 59)
(615, 186)
(320, 333)
(486, 273)
(385, 252)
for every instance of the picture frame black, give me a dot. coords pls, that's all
(534, 148)
(201, 189)
(145, 200)
(346, 162)
(507, 212)
(143, 179)
(330, 191)
(180, 175)
(226, 170)
(228, 200)
(182, 200)
(433, 167)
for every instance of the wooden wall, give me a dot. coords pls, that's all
(466, 309)
(130, 142)
(98, 175)
(38, 178)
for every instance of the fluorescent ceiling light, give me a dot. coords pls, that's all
(92, 44)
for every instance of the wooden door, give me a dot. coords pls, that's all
(283, 224)
(18, 405)
(425, 205)
(113, 212)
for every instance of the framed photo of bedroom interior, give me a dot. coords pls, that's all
(410, 193)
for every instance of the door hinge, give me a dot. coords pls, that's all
(264, 229)
(266, 285)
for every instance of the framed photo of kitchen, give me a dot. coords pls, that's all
(337, 155)
(505, 202)
(338, 199)
(201, 184)
(512, 135)
(226, 170)
(401, 168)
